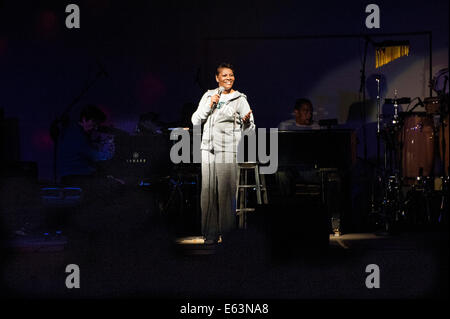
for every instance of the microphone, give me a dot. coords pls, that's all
(219, 91)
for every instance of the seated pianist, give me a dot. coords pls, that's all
(304, 176)
(306, 173)
(303, 112)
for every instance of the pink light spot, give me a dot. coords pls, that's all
(42, 140)
(47, 23)
(150, 89)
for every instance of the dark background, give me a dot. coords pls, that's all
(161, 55)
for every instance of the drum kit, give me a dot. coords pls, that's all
(411, 187)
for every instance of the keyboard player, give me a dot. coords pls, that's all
(302, 173)
(303, 120)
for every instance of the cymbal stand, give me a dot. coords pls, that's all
(376, 180)
(378, 122)
(391, 203)
(395, 121)
(443, 112)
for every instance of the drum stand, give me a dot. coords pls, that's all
(390, 206)
(443, 112)
(376, 181)
(392, 202)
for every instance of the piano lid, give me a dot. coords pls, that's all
(334, 148)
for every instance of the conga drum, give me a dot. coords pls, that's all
(417, 137)
(432, 105)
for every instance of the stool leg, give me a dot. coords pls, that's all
(244, 200)
(242, 205)
(238, 189)
(258, 185)
(264, 189)
(238, 183)
(241, 213)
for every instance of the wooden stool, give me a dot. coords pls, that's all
(241, 190)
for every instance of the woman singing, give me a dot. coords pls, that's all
(226, 116)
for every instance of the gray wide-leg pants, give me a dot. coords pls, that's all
(218, 195)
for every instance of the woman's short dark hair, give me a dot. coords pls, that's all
(302, 101)
(224, 65)
(91, 112)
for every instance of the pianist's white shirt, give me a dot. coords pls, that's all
(291, 125)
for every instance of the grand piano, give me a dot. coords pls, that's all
(329, 148)
(328, 154)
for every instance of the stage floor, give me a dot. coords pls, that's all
(146, 263)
